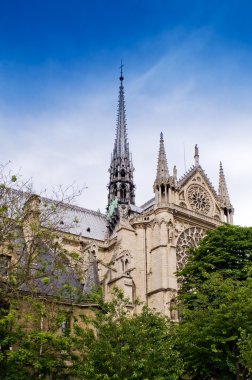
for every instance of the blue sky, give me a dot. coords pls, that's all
(188, 67)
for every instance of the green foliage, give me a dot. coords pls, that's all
(215, 301)
(245, 346)
(29, 351)
(110, 344)
(226, 250)
(120, 346)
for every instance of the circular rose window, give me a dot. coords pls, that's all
(199, 199)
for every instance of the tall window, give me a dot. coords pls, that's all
(65, 326)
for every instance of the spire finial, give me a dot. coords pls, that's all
(196, 155)
(121, 68)
(223, 191)
(162, 167)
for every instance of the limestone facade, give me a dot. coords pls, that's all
(139, 249)
(145, 246)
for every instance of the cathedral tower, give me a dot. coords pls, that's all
(121, 186)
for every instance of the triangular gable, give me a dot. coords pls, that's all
(190, 174)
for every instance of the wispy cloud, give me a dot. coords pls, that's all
(189, 92)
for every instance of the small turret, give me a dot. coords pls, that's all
(226, 205)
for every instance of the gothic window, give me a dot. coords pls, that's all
(188, 239)
(65, 326)
(199, 199)
(123, 193)
(126, 265)
(162, 189)
(115, 190)
(122, 173)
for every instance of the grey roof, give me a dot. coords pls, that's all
(74, 219)
(62, 216)
(148, 204)
(85, 222)
(136, 209)
(61, 279)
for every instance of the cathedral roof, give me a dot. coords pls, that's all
(58, 276)
(148, 204)
(81, 221)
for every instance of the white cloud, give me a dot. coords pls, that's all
(190, 101)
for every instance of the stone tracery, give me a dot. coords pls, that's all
(189, 238)
(199, 199)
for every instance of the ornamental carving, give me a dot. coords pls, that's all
(199, 199)
(188, 239)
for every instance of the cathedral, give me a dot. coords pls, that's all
(139, 248)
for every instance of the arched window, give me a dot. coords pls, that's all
(123, 193)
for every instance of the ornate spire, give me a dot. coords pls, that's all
(196, 155)
(223, 191)
(162, 167)
(121, 148)
(121, 185)
(164, 184)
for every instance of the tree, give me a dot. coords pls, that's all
(33, 352)
(37, 273)
(215, 305)
(121, 346)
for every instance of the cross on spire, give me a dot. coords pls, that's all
(121, 76)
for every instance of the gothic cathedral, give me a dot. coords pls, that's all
(139, 249)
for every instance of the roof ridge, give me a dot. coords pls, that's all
(74, 207)
(190, 172)
(148, 202)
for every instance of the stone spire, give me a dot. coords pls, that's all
(121, 148)
(162, 167)
(223, 191)
(164, 184)
(227, 208)
(121, 186)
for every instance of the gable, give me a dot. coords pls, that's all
(198, 194)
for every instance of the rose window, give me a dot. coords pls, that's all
(199, 199)
(188, 239)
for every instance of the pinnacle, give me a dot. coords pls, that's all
(223, 191)
(162, 167)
